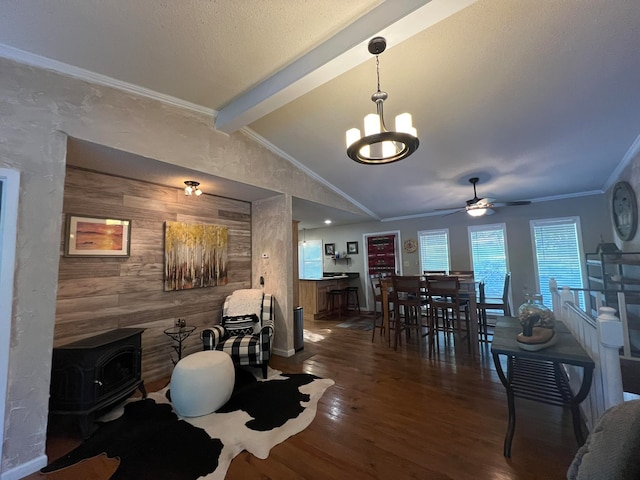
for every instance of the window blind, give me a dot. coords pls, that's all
(489, 257)
(434, 250)
(558, 254)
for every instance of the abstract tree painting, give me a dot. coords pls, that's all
(195, 255)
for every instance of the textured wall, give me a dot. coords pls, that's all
(38, 108)
(38, 153)
(273, 238)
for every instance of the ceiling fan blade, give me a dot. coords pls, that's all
(512, 204)
(490, 211)
(458, 210)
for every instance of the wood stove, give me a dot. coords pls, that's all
(95, 373)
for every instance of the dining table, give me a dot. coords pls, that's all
(467, 286)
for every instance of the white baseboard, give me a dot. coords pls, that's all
(25, 469)
(284, 353)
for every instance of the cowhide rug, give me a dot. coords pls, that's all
(152, 442)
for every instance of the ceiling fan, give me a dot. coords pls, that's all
(476, 207)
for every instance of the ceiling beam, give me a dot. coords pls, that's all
(395, 20)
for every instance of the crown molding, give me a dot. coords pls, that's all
(588, 193)
(270, 146)
(633, 151)
(34, 60)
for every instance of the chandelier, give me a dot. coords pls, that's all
(192, 188)
(380, 145)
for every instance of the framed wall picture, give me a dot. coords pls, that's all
(97, 237)
(329, 248)
(352, 248)
(195, 255)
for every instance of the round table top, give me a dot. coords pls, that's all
(179, 331)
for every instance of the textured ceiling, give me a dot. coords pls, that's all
(540, 99)
(206, 52)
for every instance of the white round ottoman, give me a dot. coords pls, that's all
(201, 383)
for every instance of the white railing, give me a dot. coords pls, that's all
(601, 338)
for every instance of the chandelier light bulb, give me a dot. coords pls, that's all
(372, 124)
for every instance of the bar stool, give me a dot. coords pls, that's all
(352, 298)
(335, 302)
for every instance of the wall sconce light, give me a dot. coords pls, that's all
(192, 188)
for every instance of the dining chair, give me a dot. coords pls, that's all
(464, 297)
(485, 304)
(376, 289)
(445, 318)
(446, 302)
(410, 301)
(461, 273)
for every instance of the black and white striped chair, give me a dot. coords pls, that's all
(248, 337)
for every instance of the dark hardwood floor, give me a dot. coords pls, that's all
(393, 415)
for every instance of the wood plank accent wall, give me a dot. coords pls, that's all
(96, 295)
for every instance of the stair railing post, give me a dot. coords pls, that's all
(610, 340)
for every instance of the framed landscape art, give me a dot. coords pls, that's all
(195, 255)
(97, 237)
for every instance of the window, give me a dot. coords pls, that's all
(434, 250)
(489, 257)
(310, 259)
(557, 247)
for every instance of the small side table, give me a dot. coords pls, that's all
(539, 375)
(179, 335)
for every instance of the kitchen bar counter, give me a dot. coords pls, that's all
(313, 294)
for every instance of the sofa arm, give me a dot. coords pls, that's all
(212, 336)
(266, 336)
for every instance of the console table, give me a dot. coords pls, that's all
(540, 375)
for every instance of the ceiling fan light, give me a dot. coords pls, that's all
(476, 212)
